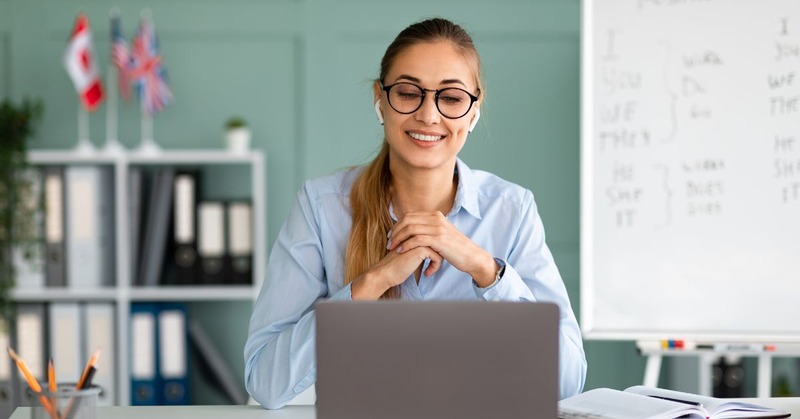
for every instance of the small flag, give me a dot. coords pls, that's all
(147, 72)
(81, 66)
(121, 57)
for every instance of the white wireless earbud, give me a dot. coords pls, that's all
(378, 111)
(475, 120)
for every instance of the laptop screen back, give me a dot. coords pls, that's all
(443, 359)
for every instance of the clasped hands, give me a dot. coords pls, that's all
(419, 236)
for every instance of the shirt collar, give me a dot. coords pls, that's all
(466, 193)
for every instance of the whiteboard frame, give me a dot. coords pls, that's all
(587, 303)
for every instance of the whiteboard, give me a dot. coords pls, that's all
(690, 169)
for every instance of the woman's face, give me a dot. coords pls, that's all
(424, 139)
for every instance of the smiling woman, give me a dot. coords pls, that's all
(416, 223)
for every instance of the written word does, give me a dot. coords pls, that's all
(786, 51)
(624, 139)
(697, 111)
(700, 59)
(696, 189)
(777, 81)
(615, 79)
(782, 105)
(704, 208)
(786, 168)
(617, 195)
(703, 165)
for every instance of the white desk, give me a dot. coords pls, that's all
(789, 404)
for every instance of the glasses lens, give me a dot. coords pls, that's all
(405, 97)
(453, 102)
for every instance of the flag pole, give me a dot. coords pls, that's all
(84, 145)
(113, 145)
(148, 145)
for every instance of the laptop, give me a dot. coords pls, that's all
(442, 359)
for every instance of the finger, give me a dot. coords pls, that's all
(415, 242)
(416, 230)
(436, 263)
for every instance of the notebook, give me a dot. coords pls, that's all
(443, 359)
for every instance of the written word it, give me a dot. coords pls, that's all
(782, 105)
(618, 112)
(786, 168)
(776, 81)
(791, 192)
(784, 144)
(624, 139)
(703, 165)
(705, 58)
(704, 208)
(624, 217)
(696, 189)
(786, 51)
(615, 79)
(617, 196)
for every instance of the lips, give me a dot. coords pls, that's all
(425, 138)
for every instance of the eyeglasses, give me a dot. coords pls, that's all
(452, 102)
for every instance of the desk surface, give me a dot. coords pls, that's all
(789, 404)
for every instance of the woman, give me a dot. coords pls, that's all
(416, 223)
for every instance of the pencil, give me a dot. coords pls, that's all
(51, 383)
(89, 366)
(33, 383)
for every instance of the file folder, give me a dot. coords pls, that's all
(7, 371)
(173, 362)
(143, 341)
(30, 340)
(99, 325)
(66, 340)
(157, 223)
(184, 240)
(55, 258)
(240, 243)
(29, 259)
(211, 241)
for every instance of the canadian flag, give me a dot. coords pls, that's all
(81, 66)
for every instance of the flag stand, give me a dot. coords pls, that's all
(148, 145)
(84, 145)
(113, 145)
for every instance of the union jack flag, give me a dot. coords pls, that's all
(121, 57)
(147, 73)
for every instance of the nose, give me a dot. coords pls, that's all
(428, 113)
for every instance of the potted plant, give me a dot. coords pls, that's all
(17, 220)
(237, 135)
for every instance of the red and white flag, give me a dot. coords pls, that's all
(81, 65)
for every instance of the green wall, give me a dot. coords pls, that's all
(300, 72)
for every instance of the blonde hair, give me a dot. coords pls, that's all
(371, 191)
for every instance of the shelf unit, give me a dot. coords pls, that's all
(124, 292)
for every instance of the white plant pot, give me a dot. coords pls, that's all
(237, 140)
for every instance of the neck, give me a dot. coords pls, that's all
(423, 190)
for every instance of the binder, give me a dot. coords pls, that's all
(55, 264)
(136, 193)
(155, 234)
(31, 345)
(173, 355)
(66, 340)
(240, 243)
(90, 226)
(221, 373)
(99, 326)
(7, 371)
(29, 260)
(143, 341)
(184, 240)
(211, 242)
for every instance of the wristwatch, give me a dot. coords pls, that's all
(497, 275)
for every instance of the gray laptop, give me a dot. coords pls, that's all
(443, 359)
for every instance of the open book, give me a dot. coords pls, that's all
(639, 402)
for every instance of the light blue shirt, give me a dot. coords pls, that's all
(307, 264)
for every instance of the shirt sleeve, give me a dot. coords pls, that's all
(531, 275)
(280, 349)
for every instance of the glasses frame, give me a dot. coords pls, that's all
(425, 91)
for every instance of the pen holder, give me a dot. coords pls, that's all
(66, 403)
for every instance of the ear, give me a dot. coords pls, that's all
(475, 119)
(377, 91)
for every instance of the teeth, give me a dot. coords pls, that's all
(429, 138)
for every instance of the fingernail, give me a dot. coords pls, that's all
(400, 249)
(388, 245)
(389, 234)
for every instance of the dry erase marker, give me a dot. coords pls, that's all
(743, 347)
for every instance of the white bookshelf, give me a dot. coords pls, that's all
(125, 292)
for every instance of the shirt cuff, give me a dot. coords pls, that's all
(343, 294)
(481, 291)
(510, 287)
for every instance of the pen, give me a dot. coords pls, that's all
(33, 383)
(676, 400)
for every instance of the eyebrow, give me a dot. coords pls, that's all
(418, 81)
